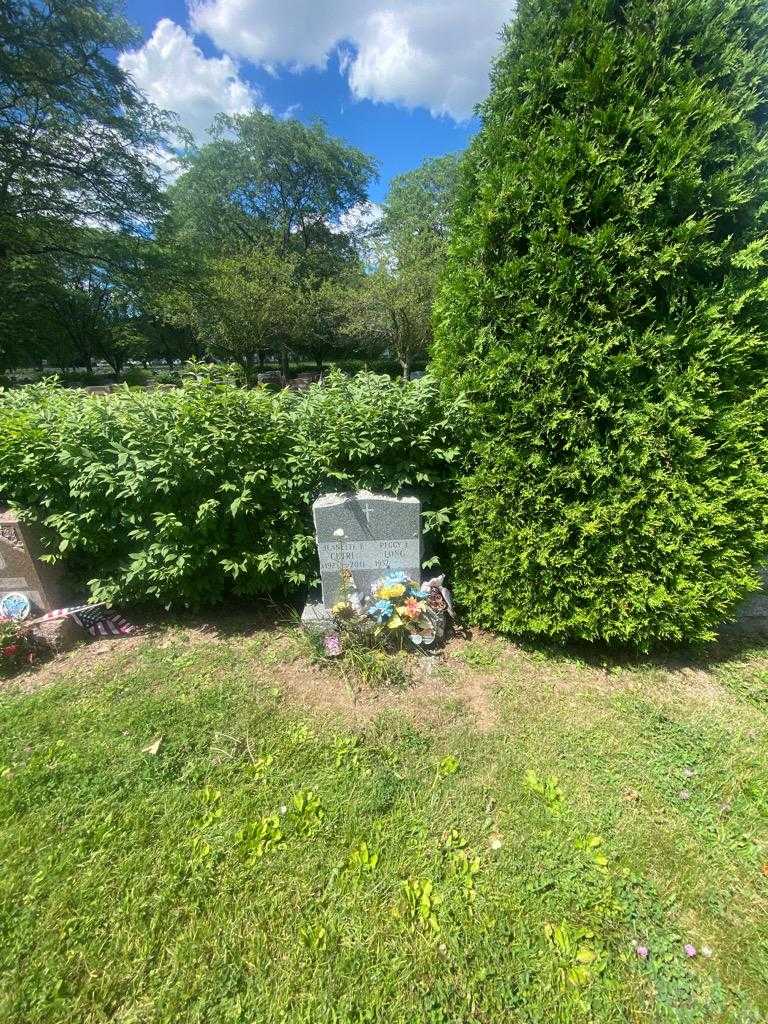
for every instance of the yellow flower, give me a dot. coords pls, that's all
(392, 591)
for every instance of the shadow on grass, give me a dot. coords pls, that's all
(241, 618)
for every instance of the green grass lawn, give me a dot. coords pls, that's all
(488, 845)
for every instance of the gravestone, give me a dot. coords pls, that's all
(368, 534)
(21, 569)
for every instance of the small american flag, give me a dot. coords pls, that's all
(100, 621)
(96, 619)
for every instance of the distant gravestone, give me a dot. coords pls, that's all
(22, 572)
(368, 534)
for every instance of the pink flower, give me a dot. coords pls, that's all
(689, 950)
(332, 645)
(10, 650)
(642, 952)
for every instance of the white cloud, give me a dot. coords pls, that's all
(359, 218)
(175, 74)
(358, 222)
(430, 53)
(164, 162)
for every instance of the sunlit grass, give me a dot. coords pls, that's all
(273, 864)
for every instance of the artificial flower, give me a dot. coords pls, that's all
(391, 590)
(396, 577)
(10, 650)
(332, 645)
(381, 611)
(342, 610)
(411, 609)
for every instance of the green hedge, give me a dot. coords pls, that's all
(605, 311)
(188, 495)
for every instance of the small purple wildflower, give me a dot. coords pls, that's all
(689, 950)
(642, 952)
(332, 645)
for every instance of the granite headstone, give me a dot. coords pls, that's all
(368, 534)
(21, 569)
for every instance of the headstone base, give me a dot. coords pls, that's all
(316, 618)
(62, 634)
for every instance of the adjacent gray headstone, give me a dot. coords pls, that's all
(379, 534)
(21, 569)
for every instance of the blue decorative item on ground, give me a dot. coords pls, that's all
(14, 606)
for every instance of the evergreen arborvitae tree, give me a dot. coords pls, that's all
(605, 310)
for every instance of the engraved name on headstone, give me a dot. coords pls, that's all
(381, 534)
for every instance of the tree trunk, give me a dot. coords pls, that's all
(284, 366)
(406, 365)
(248, 367)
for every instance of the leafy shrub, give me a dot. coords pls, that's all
(137, 376)
(172, 377)
(184, 496)
(605, 312)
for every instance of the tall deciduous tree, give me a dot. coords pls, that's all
(392, 311)
(418, 211)
(84, 306)
(249, 306)
(606, 313)
(263, 179)
(322, 318)
(406, 251)
(75, 133)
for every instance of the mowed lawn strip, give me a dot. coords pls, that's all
(273, 862)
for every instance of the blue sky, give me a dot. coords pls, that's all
(397, 78)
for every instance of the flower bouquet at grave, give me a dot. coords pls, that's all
(397, 608)
(400, 604)
(19, 646)
(416, 610)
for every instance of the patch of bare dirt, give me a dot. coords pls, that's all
(78, 660)
(437, 695)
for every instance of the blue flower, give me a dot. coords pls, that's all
(382, 611)
(395, 577)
